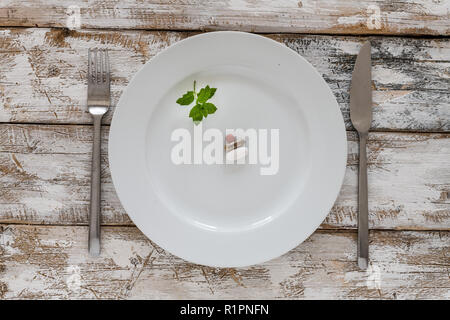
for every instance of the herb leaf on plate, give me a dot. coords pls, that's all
(209, 107)
(205, 94)
(201, 108)
(196, 113)
(186, 99)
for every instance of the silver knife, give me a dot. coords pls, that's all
(361, 116)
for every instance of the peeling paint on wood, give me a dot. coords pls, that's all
(411, 17)
(48, 182)
(53, 263)
(44, 169)
(43, 73)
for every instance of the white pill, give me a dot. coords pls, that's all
(236, 154)
(229, 146)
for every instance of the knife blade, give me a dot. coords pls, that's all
(361, 91)
(361, 117)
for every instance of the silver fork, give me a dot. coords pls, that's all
(98, 101)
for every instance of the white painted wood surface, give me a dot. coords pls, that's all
(45, 146)
(411, 17)
(52, 262)
(45, 172)
(43, 73)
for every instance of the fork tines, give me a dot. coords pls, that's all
(98, 80)
(98, 66)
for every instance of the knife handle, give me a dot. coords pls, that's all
(363, 206)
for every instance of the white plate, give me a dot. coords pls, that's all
(228, 215)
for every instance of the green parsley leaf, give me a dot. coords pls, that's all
(186, 99)
(196, 113)
(204, 94)
(201, 108)
(209, 107)
(211, 92)
(204, 111)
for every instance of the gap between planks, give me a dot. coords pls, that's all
(194, 32)
(107, 125)
(118, 225)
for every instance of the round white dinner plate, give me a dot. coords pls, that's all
(229, 215)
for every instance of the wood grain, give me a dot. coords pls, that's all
(43, 73)
(44, 169)
(45, 174)
(53, 263)
(410, 17)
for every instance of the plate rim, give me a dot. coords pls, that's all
(112, 139)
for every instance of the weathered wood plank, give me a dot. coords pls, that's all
(43, 73)
(53, 263)
(409, 17)
(45, 176)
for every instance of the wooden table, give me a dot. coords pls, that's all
(45, 146)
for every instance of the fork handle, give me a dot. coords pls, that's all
(94, 215)
(363, 206)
